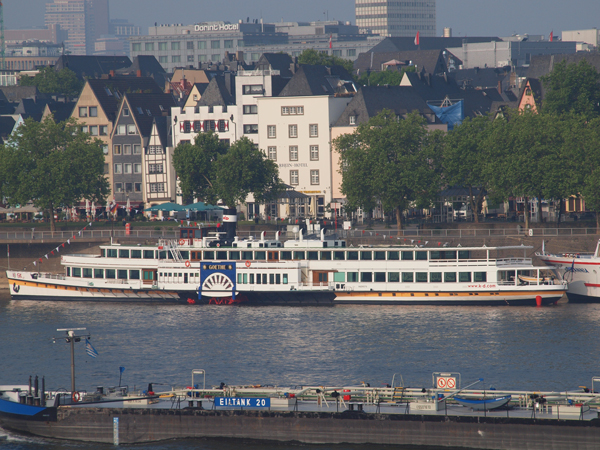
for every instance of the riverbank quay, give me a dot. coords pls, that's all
(492, 431)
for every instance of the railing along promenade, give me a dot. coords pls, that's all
(27, 236)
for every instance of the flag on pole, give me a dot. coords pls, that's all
(552, 36)
(89, 349)
(418, 38)
(330, 43)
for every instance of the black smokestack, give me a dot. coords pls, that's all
(230, 223)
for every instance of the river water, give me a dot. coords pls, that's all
(518, 348)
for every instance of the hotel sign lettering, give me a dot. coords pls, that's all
(217, 27)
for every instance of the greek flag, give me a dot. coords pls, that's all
(90, 350)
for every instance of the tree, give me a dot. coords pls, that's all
(391, 161)
(386, 77)
(313, 57)
(50, 81)
(572, 88)
(465, 158)
(244, 169)
(586, 137)
(54, 165)
(195, 167)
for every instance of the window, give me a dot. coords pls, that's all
(121, 274)
(254, 56)
(480, 277)
(127, 149)
(293, 153)
(128, 187)
(118, 168)
(215, 44)
(83, 111)
(252, 89)
(352, 120)
(116, 149)
(103, 130)
(464, 277)
(352, 277)
(149, 46)
(250, 109)
(366, 277)
(131, 129)
(272, 152)
(313, 130)
(127, 168)
(137, 187)
(93, 130)
(163, 59)
(292, 110)
(190, 58)
(393, 277)
(157, 187)
(250, 129)
(136, 47)
(351, 52)
(134, 274)
(337, 53)
(176, 58)
(314, 152)
(314, 177)
(379, 277)
(175, 45)
(407, 256)
(293, 177)
(271, 131)
(137, 149)
(118, 187)
(93, 111)
(156, 168)
(216, 57)
(421, 277)
(121, 129)
(137, 168)
(77, 272)
(126, 111)
(435, 277)
(228, 43)
(407, 277)
(366, 256)
(98, 273)
(105, 149)
(450, 277)
(189, 45)
(293, 131)
(162, 46)
(105, 169)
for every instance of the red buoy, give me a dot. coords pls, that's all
(538, 300)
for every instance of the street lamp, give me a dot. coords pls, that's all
(71, 338)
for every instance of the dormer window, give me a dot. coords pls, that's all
(352, 120)
(140, 111)
(527, 91)
(125, 111)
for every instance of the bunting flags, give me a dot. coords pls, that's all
(57, 249)
(418, 38)
(552, 36)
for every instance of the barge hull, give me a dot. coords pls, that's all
(139, 426)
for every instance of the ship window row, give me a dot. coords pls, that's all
(262, 278)
(409, 277)
(288, 255)
(115, 274)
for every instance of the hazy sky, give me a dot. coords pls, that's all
(465, 17)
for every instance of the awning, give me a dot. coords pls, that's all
(168, 206)
(201, 206)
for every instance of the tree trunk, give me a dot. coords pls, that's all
(399, 219)
(473, 204)
(597, 222)
(559, 216)
(540, 212)
(526, 213)
(52, 224)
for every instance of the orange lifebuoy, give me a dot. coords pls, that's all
(218, 245)
(181, 241)
(248, 263)
(187, 264)
(76, 396)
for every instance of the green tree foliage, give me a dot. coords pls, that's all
(196, 169)
(386, 77)
(244, 169)
(313, 57)
(584, 137)
(55, 165)
(572, 88)
(210, 171)
(466, 159)
(51, 81)
(390, 161)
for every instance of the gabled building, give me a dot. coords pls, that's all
(431, 61)
(97, 107)
(141, 154)
(531, 95)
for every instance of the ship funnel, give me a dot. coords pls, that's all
(230, 223)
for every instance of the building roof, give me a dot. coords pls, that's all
(92, 66)
(145, 66)
(431, 61)
(61, 111)
(544, 64)
(7, 125)
(216, 94)
(371, 100)
(401, 44)
(319, 80)
(477, 78)
(31, 107)
(15, 94)
(146, 107)
(276, 61)
(109, 91)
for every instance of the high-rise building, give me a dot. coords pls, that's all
(396, 19)
(85, 21)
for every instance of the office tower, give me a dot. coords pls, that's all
(85, 21)
(395, 18)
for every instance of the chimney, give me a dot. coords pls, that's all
(239, 55)
(500, 87)
(139, 73)
(112, 73)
